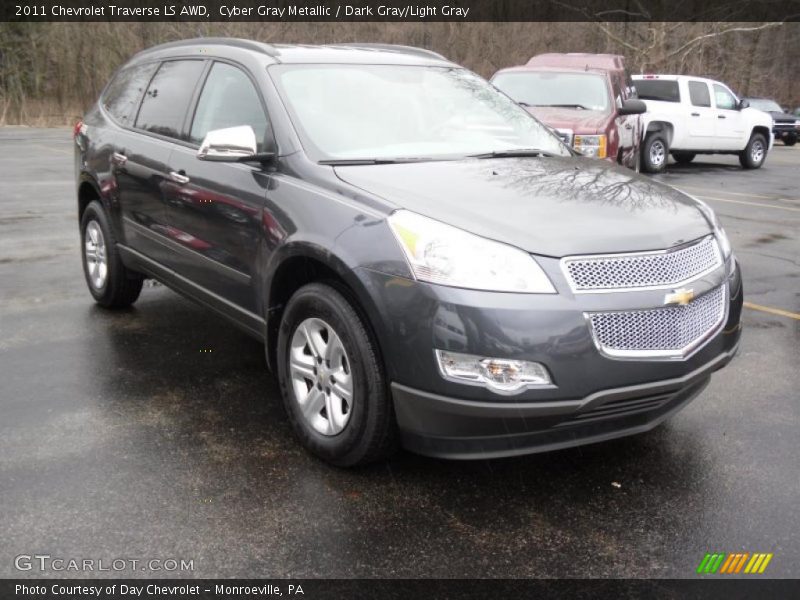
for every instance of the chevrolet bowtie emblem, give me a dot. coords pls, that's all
(681, 297)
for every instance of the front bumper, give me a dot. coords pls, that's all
(594, 397)
(461, 429)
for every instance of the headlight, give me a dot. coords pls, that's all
(719, 232)
(590, 145)
(439, 253)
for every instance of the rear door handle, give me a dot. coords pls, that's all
(721, 117)
(119, 159)
(179, 177)
(695, 114)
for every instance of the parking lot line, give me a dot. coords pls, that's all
(773, 311)
(701, 190)
(761, 204)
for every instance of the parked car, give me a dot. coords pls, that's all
(687, 116)
(586, 98)
(447, 275)
(785, 126)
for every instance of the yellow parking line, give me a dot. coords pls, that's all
(773, 311)
(761, 204)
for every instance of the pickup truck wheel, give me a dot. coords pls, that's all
(332, 380)
(683, 158)
(752, 157)
(790, 140)
(111, 284)
(654, 153)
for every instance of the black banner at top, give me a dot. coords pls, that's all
(399, 10)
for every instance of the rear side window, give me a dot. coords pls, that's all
(229, 99)
(724, 98)
(167, 97)
(653, 89)
(698, 93)
(124, 92)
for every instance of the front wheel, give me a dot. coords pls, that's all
(754, 154)
(790, 140)
(111, 284)
(332, 379)
(654, 153)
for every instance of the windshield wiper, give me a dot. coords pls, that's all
(513, 153)
(581, 106)
(346, 162)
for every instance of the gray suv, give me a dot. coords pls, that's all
(426, 263)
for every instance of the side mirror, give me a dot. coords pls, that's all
(743, 103)
(632, 107)
(234, 144)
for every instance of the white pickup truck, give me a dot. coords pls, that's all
(687, 116)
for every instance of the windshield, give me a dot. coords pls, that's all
(765, 105)
(587, 91)
(394, 112)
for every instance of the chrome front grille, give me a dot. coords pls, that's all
(614, 272)
(668, 332)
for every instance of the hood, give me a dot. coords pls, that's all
(548, 206)
(580, 121)
(783, 117)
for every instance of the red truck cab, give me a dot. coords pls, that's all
(589, 99)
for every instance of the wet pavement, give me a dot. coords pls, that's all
(158, 433)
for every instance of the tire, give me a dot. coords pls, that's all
(655, 151)
(111, 284)
(343, 431)
(754, 154)
(790, 140)
(683, 158)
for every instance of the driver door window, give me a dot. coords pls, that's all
(724, 99)
(229, 99)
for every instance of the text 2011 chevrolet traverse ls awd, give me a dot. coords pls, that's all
(426, 263)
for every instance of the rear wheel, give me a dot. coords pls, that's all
(654, 152)
(754, 154)
(683, 158)
(111, 283)
(332, 380)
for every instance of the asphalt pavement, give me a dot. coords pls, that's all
(157, 433)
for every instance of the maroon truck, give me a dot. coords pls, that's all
(589, 99)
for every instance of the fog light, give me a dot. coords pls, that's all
(500, 375)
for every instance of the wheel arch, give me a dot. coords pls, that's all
(665, 127)
(88, 191)
(300, 263)
(763, 130)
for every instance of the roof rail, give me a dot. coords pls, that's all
(218, 41)
(393, 48)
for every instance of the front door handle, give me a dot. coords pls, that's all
(721, 117)
(119, 159)
(695, 114)
(179, 177)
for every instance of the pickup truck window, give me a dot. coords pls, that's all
(661, 90)
(724, 98)
(698, 93)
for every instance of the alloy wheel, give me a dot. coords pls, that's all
(321, 377)
(658, 153)
(95, 252)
